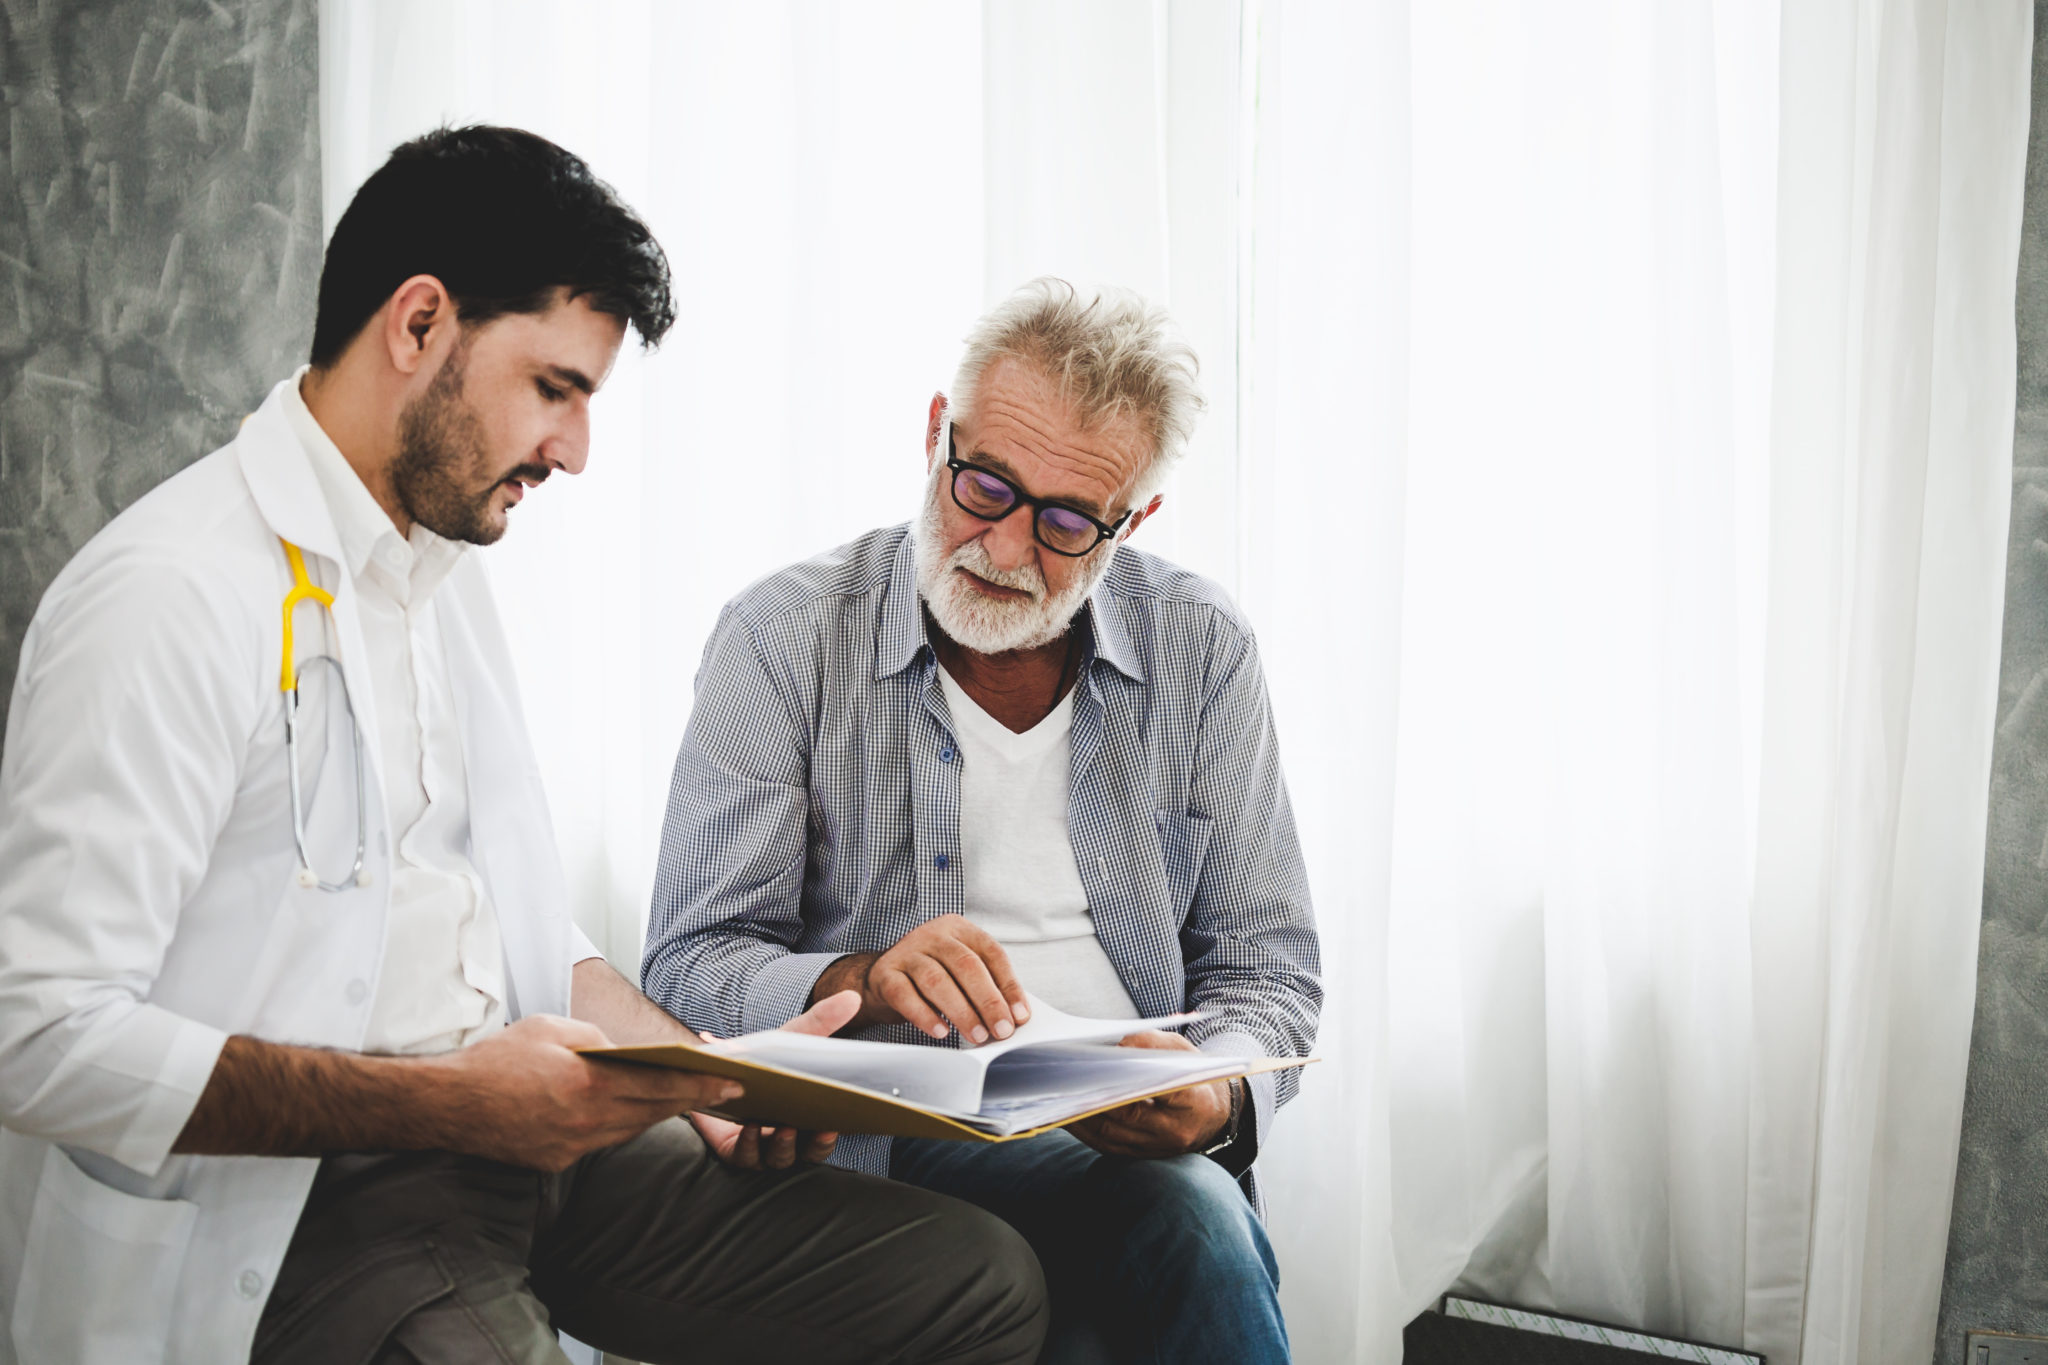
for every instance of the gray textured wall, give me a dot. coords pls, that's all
(1998, 1237)
(159, 253)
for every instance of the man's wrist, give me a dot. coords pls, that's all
(1232, 1121)
(444, 1092)
(849, 973)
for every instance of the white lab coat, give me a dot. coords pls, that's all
(149, 908)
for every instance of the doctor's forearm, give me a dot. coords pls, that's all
(599, 995)
(270, 1099)
(523, 1094)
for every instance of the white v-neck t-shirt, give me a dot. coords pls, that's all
(1017, 862)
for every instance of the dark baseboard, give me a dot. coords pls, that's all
(1434, 1339)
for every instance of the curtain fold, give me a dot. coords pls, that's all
(1609, 438)
(1901, 173)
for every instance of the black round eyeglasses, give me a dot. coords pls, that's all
(988, 495)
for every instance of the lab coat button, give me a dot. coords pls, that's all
(358, 991)
(249, 1284)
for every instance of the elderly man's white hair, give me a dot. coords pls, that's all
(1112, 355)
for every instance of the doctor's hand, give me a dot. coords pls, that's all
(751, 1146)
(947, 971)
(1185, 1121)
(522, 1096)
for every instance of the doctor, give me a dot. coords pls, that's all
(287, 1011)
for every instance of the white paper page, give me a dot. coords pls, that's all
(1049, 1025)
(942, 1078)
(1046, 1083)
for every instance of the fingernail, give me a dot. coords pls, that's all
(938, 1030)
(1022, 1012)
(732, 1092)
(980, 1034)
(1003, 1028)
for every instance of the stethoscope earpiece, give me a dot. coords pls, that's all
(307, 879)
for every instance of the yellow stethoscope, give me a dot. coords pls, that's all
(304, 589)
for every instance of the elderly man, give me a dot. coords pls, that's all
(996, 751)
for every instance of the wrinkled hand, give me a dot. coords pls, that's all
(1187, 1120)
(527, 1099)
(947, 973)
(751, 1146)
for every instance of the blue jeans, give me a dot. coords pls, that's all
(1145, 1261)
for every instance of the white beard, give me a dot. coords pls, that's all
(973, 618)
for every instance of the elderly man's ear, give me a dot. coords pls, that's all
(1138, 517)
(932, 420)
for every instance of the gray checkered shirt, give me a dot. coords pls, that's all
(815, 808)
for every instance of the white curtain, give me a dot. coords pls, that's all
(814, 172)
(1904, 135)
(1609, 434)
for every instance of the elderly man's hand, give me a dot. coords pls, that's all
(948, 970)
(1185, 1121)
(750, 1146)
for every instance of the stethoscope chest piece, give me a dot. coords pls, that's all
(310, 879)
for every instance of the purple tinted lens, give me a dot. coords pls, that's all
(1066, 530)
(983, 492)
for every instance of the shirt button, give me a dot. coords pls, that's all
(249, 1284)
(946, 754)
(941, 861)
(357, 992)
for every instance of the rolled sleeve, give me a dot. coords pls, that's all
(781, 989)
(171, 1059)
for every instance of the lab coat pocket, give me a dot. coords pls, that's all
(101, 1272)
(1183, 842)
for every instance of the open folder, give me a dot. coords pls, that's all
(1054, 1069)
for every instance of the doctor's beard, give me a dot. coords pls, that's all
(974, 619)
(442, 473)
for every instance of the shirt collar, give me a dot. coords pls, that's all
(364, 526)
(1106, 615)
(902, 635)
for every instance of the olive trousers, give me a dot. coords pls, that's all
(654, 1250)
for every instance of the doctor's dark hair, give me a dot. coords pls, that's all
(503, 219)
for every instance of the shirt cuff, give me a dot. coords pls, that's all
(581, 949)
(781, 990)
